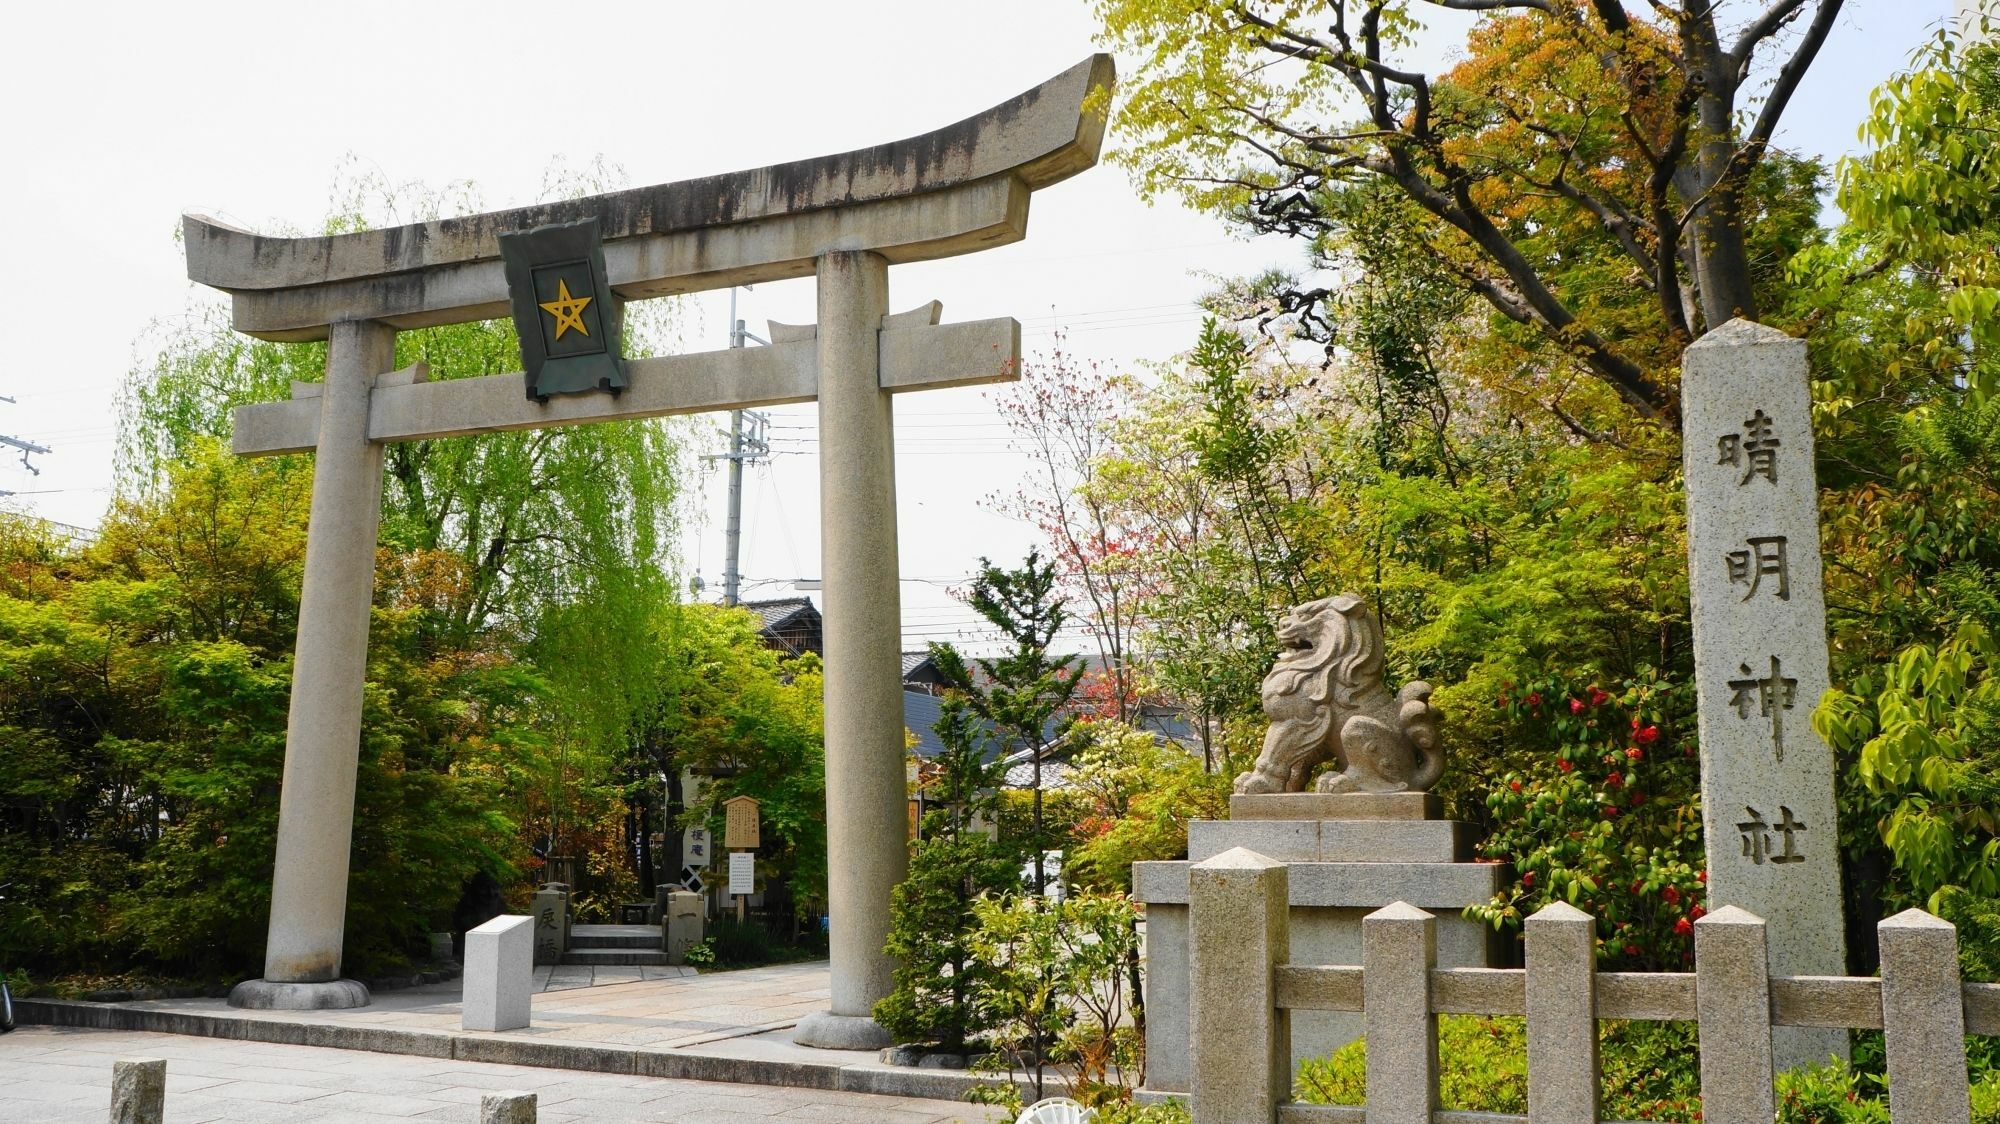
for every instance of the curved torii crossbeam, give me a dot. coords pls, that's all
(961, 188)
(844, 218)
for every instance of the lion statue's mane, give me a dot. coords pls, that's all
(1326, 702)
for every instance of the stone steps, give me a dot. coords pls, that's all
(604, 956)
(614, 936)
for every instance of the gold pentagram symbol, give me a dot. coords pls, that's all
(567, 310)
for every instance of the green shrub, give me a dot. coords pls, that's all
(1604, 815)
(1828, 1094)
(745, 944)
(1649, 1069)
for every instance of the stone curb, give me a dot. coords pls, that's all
(859, 1077)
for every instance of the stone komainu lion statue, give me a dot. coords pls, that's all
(1326, 702)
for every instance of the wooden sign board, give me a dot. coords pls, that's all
(740, 825)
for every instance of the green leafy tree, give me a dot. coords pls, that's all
(727, 706)
(1577, 143)
(142, 738)
(1021, 692)
(956, 864)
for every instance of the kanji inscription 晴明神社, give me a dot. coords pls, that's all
(1760, 652)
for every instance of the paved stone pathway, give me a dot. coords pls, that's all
(63, 1076)
(569, 977)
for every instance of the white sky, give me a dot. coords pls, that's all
(128, 114)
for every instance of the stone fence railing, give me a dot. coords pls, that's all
(1243, 987)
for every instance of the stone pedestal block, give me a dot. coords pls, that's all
(1329, 891)
(686, 924)
(499, 973)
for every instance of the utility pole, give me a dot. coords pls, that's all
(751, 445)
(26, 447)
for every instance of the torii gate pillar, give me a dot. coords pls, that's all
(844, 218)
(865, 776)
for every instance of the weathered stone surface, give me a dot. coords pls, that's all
(1291, 841)
(1760, 652)
(1327, 704)
(1399, 949)
(1328, 901)
(138, 1091)
(1370, 841)
(499, 973)
(1238, 937)
(1733, 1004)
(550, 909)
(1352, 885)
(507, 1108)
(1923, 1018)
(917, 357)
(448, 270)
(1335, 806)
(323, 730)
(865, 782)
(1562, 1015)
(828, 1031)
(687, 919)
(278, 995)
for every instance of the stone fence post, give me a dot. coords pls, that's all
(1398, 952)
(1238, 936)
(1561, 989)
(1923, 1019)
(1732, 1002)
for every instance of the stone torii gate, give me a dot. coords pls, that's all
(844, 219)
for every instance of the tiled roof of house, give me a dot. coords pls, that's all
(774, 614)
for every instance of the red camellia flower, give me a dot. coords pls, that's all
(1515, 785)
(1646, 735)
(1534, 698)
(1631, 950)
(1611, 811)
(1597, 697)
(1563, 763)
(1697, 913)
(1635, 753)
(1638, 798)
(1528, 880)
(1615, 779)
(1701, 876)
(1672, 894)
(1684, 927)
(1576, 706)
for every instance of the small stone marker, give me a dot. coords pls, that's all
(507, 1108)
(551, 911)
(1760, 653)
(740, 826)
(138, 1091)
(499, 971)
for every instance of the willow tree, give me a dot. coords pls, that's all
(1580, 152)
(551, 545)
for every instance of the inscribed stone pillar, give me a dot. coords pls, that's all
(323, 733)
(865, 792)
(1760, 653)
